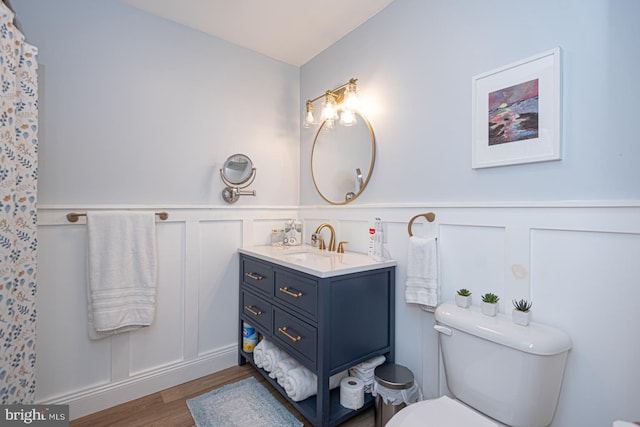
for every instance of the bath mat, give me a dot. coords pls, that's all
(246, 403)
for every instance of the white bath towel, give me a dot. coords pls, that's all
(300, 383)
(258, 353)
(122, 271)
(286, 364)
(270, 359)
(422, 284)
(260, 350)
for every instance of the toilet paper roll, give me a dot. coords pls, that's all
(352, 393)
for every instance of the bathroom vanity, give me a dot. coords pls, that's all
(329, 311)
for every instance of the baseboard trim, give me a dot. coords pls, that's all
(106, 396)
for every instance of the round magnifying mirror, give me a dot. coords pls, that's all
(342, 160)
(238, 169)
(237, 172)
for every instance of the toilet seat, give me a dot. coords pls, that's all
(440, 412)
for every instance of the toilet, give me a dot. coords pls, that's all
(498, 373)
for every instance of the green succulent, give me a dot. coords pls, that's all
(522, 305)
(464, 292)
(490, 298)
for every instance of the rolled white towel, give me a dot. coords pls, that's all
(271, 358)
(284, 366)
(258, 353)
(300, 383)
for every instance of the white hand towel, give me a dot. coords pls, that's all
(370, 365)
(122, 271)
(421, 286)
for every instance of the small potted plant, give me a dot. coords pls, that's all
(489, 304)
(521, 314)
(463, 298)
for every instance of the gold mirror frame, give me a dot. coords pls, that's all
(315, 175)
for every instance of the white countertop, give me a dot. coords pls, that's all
(313, 261)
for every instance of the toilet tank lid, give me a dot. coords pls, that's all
(535, 339)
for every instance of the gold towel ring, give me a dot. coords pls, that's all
(430, 216)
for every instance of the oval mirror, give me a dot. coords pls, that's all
(342, 160)
(238, 169)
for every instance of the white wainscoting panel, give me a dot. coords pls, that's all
(579, 263)
(160, 344)
(588, 283)
(473, 257)
(66, 360)
(218, 284)
(195, 330)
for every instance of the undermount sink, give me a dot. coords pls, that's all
(305, 255)
(320, 263)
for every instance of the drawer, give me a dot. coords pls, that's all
(297, 291)
(295, 334)
(257, 275)
(256, 309)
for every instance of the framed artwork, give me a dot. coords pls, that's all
(516, 112)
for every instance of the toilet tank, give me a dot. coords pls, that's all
(509, 372)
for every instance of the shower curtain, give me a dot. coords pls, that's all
(18, 241)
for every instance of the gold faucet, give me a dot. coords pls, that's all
(332, 240)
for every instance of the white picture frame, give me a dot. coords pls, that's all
(516, 112)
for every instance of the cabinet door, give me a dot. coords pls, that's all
(360, 317)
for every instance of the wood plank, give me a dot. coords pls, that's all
(169, 408)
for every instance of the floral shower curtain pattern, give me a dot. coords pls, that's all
(18, 184)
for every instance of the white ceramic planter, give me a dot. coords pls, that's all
(462, 301)
(488, 308)
(521, 317)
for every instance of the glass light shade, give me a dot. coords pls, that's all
(329, 109)
(347, 118)
(329, 124)
(351, 97)
(309, 119)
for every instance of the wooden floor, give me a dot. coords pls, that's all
(169, 408)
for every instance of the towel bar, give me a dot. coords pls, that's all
(73, 216)
(430, 216)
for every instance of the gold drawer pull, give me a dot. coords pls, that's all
(283, 331)
(288, 292)
(250, 309)
(254, 276)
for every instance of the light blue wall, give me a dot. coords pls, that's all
(415, 61)
(139, 110)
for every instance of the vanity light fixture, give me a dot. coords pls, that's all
(343, 99)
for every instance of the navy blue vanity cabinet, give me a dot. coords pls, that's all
(328, 324)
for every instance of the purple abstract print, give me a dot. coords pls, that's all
(513, 113)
